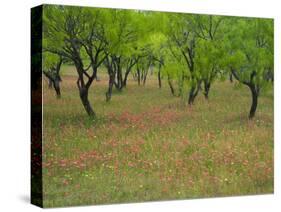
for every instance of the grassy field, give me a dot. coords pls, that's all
(148, 145)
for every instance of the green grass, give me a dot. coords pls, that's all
(148, 145)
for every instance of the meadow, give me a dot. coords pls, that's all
(147, 145)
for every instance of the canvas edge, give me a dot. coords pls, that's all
(36, 191)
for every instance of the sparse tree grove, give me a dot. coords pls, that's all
(186, 52)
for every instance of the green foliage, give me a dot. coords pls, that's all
(250, 48)
(49, 60)
(217, 42)
(190, 49)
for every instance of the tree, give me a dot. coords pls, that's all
(210, 54)
(158, 48)
(123, 33)
(142, 68)
(77, 34)
(51, 69)
(197, 40)
(111, 70)
(176, 73)
(182, 39)
(250, 48)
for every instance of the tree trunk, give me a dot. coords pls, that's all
(159, 78)
(119, 76)
(207, 86)
(255, 90)
(139, 77)
(171, 86)
(110, 85)
(254, 101)
(124, 84)
(194, 92)
(144, 77)
(191, 95)
(56, 84)
(231, 77)
(119, 84)
(83, 91)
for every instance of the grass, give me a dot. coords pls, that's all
(147, 145)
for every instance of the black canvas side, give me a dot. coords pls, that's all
(36, 106)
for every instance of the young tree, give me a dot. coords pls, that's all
(210, 53)
(51, 69)
(129, 62)
(175, 71)
(143, 65)
(182, 39)
(158, 48)
(250, 49)
(122, 36)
